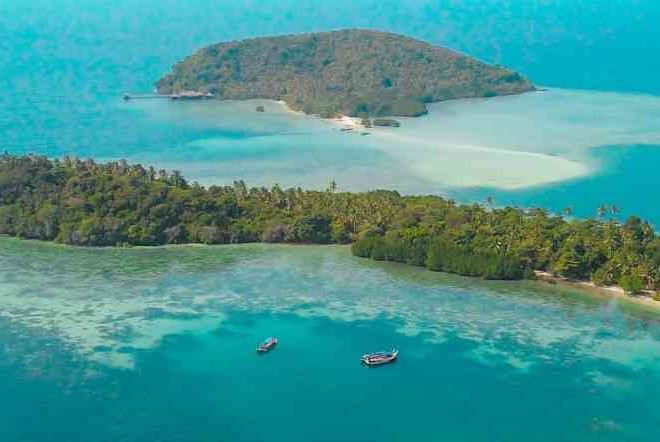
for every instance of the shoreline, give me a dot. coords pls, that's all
(344, 121)
(586, 287)
(612, 292)
(434, 152)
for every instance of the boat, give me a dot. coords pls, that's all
(380, 358)
(267, 345)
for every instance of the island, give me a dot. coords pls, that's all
(353, 72)
(83, 203)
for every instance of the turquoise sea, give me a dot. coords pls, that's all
(158, 344)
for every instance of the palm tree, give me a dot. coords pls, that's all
(489, 200)
(614, 210)
(278, 196)
(178, 178)
(568, 210)
(240, 189)
(333, 186)
(602, 209)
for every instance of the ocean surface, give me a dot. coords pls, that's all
(65, 67)
(158, 344)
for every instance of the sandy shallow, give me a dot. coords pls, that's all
(644, 299)
(107, 304)
(466, 165)
(504, 142)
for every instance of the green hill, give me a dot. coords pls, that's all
(352, 72)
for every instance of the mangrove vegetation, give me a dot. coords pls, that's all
(84, 203)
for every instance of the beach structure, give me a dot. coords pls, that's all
(191, 95)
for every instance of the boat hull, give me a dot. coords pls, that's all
(267, 346)
(378, 359)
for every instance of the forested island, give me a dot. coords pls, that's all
(83, 203)
(359, 73)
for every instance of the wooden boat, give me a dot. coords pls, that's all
(380, 358)
(267, 345)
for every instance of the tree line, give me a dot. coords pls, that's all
(360, 73)
(83, 203)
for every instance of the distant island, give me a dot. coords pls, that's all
(357, 73)
(83, 203)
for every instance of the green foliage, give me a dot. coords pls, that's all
(528, 273)
(355, 72)
(311, 229)
(608, 274)
(570, 264)
(511, 243)
(446, 256)
(83, 203)
(362, 248)
(632, 284)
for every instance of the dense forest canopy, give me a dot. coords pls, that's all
(84, 203)
(352, 72)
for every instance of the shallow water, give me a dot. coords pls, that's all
(65, 79)
(159, 343)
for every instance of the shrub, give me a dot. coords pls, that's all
(632, 284)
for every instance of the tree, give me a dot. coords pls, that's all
(570, 265)
(354, 72)
(631, 283)
(178, 179)
(83, 203)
